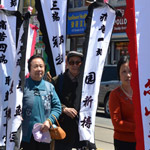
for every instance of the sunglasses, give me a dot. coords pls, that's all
(74, 62)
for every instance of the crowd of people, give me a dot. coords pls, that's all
(42, 99)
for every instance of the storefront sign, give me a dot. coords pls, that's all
(120, 22)
(76, 22)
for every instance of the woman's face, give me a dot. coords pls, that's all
(37, 69)
(125, 74)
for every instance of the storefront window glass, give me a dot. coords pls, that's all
(120, 49)
(71, 4)
(76, 3)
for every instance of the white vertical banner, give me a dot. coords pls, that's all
(7, 57)
(143, 52)
(11, 5)
(100, 32)
(54, 12)
(14, 110)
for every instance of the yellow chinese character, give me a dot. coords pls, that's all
(81, 23)
(72, 24)
(77, 24)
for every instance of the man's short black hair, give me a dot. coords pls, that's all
(34, 57)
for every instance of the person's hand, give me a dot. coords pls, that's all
(71, 112)
(45, 127)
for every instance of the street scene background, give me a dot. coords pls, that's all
(103, 131)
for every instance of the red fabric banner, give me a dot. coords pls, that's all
(132, 48)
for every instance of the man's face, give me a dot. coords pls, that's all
(37, 69)
(74, 64)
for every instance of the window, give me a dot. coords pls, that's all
(115, 51)
(71, 4)
(120, 49)
(77, 43)
(76, 3)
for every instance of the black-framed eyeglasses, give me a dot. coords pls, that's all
(74, 62)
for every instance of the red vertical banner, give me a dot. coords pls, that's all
(133, 51)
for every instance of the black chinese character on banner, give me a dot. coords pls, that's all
(59, 59)
(90, 79)
(55, 16)
(5, 110)
(3, 25)
(4, 138)
(88, 101)
(18, 62)
(11, 87)
(5, 124)
(55, 42)
(2, 36)
(55, 5)
(86, 122)
(18, 111)
(19, 52)
(21, 48)
(12, 136)
(13, 3)
(102, 29)
(99, 52)
(103, 17)
(6, 96)
(19, 85)
(3, 60)
(61, 39)
(3, 47)
(22, 37)
(100, 39)
(8, 113)
(7, 80)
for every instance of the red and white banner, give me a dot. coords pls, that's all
(31, 41)
(138, 31)
(100, 32)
